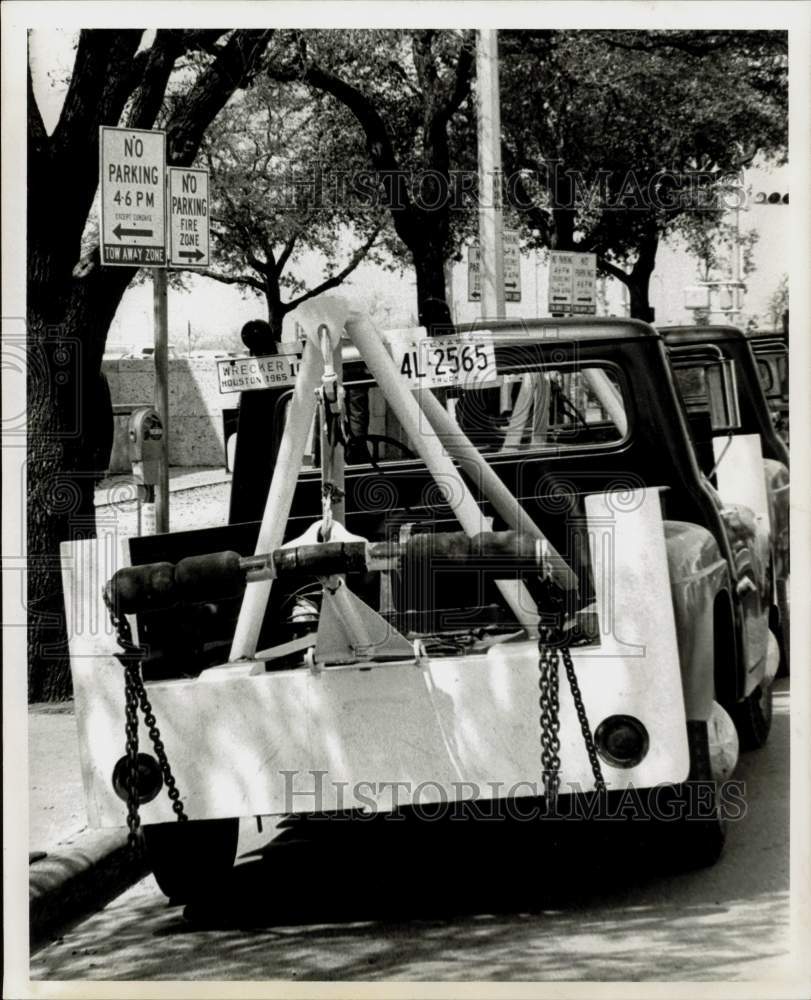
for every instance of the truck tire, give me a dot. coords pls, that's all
(188, 859)
(783, 631)
(753, 717)
(693, 831)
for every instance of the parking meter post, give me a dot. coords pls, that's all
(145, 446)
(161, 356)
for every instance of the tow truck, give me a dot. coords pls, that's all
(481, 567)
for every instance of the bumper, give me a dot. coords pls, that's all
(379, 736)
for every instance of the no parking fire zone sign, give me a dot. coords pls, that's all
(144, 222)
(188, 217)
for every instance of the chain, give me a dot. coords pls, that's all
(160, 753)
(585, 728)
(131, 736)
(549, 703)
(135, 696)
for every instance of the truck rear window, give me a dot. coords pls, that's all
(529, 411)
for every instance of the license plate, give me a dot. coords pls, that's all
(429, 362)
(241, 374)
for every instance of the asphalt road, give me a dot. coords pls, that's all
(481, 901)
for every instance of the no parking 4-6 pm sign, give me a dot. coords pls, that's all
(133, 197)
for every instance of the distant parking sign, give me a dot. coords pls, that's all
(133, 197)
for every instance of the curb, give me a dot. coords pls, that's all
(78, 877)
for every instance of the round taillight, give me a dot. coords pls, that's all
(148, 778)
(622, 740)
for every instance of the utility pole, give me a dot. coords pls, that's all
(491, 243)
(161, 356)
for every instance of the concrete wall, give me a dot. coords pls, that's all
(195, 407)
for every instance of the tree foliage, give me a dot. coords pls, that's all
(279, 159)
(618, 138)
(408, 93)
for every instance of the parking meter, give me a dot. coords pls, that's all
(145, 445)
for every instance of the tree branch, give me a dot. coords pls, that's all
(100, 84)
(234, 279)
(422, 43)
(336, 279)
(160, 61)
(378, 141)
(233, 67)
(284, 256)
(462, 78)
(612, 270)
(37, 136)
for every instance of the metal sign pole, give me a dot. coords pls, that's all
(161, 357)
(491, 236)
(491, 239)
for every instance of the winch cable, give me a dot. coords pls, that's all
(135, 697)
(330, 411)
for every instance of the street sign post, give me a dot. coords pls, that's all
(512, 269)
(133, 197)
(572, 283)
(188, 217)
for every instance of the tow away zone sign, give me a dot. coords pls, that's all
(133, 197)
(572, 283)
(240, 374)
(188, 217)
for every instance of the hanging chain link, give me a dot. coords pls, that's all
(550, 653)
(549, 704)
(131, 738)
(585, 728)
(135, 697)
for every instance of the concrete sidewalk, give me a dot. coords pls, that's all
(109, 490)
(71, 867)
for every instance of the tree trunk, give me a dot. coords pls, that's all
(639, 283)
(432, 306)
(277, 309)
(70, 425)
(639, 302)
(71, 305)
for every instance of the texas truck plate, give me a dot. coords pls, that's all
(428, 362)
(240, 374)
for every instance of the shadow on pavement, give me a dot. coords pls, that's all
(382, 900)
(333, 871)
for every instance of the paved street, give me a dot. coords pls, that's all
(486, 903)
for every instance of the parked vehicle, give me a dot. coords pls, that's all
(770, 348)
(377, 621)
(687, 346)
